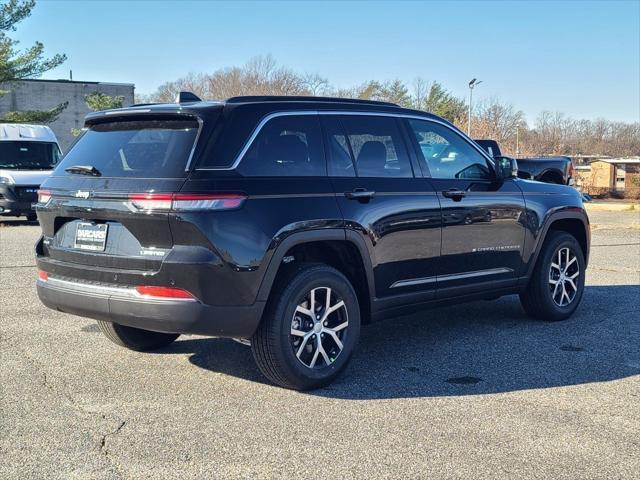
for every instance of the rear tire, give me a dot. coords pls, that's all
(557, 284)
(32, 217)
(298, 345)
(135, 338)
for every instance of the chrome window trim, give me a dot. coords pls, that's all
(291, 113)
(195, 142)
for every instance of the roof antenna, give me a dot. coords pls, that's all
(71, 75)
(186, 97)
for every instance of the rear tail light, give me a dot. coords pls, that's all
(44, 196)
(164, 292)
(186, 201)
(42, 275)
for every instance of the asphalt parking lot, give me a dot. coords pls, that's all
(470, 391)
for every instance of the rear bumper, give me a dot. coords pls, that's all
(123, 306)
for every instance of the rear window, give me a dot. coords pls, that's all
(28, 155)
(149, 148)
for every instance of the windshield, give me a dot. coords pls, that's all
(17, 155)
(140, 148)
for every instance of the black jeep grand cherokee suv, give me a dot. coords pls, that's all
(292, 221)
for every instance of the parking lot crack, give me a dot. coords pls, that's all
(49, 385)
(103, 441)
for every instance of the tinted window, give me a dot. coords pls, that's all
(377, 146)
(28, 155)
(286, 146)
(150, 148)
(447, 154)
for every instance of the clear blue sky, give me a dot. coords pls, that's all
(578, 57)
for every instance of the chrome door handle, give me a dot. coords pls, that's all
(360, 194)
(455, 194)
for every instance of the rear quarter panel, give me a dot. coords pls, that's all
(246, 238)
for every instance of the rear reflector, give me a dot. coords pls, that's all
(44, 196)
(164, 292)
(42, 275)
(186, 201)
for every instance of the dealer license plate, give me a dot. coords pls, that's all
(91, 236)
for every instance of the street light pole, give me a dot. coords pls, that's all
(472, 84)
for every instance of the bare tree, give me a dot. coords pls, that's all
(316, 84)
(498, 121)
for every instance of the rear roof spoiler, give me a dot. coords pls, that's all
(187, 97)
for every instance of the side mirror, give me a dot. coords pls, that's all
(506, 167)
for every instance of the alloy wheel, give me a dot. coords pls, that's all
(319, 328)
(564, 274)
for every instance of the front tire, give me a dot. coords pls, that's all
(310, 328)
(135, 338)
(557, 284)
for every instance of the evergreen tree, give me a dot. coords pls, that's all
(19, 65)
(442, 103)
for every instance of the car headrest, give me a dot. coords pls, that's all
(287, 150)
(372, 158)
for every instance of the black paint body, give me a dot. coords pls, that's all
(414, 244)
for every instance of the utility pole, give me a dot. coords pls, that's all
(517, 139)
(472, 84)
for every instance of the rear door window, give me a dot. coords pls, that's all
(377, 146)
(286, 146)
(139, 148)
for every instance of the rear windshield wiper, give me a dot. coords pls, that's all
(83, 170)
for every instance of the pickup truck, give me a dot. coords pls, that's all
(556, 169)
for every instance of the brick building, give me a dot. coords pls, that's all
(619, 176)
(46, 94)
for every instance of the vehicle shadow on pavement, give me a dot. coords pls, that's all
(17, 223)
(472, 349)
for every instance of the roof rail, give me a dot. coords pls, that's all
(285, 98)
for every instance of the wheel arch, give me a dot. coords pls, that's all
(574, 222)
(552, 173)
(343, 250)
